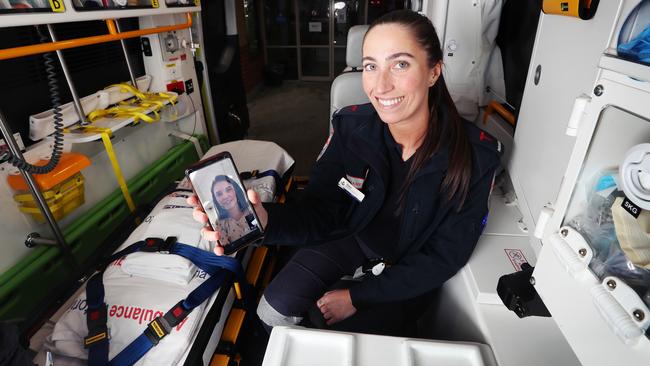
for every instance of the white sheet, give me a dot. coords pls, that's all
(170, 217)
(157, 281)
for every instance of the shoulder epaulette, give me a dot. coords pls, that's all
(356, 109)
(483, 139)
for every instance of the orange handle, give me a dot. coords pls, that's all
(21, 51)
(495, 106)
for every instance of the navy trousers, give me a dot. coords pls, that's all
(310, 273)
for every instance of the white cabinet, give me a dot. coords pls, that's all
(601, 329)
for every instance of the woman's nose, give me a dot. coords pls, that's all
(384, 82)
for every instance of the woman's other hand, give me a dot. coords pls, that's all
(254, 197)
(206, 232)
(336, 306)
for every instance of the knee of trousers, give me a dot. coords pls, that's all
(271, 317)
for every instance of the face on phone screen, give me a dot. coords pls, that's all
(224, 200)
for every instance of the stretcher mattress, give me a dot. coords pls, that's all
(142, 286)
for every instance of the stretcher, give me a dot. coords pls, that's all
(142, 286)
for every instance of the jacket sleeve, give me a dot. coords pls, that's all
(318, 216)
(446, 251)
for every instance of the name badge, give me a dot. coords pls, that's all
(351, 190)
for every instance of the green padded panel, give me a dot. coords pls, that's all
(26, 284)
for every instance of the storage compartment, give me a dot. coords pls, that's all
(62, 188)
(592, 291)
(62, 199)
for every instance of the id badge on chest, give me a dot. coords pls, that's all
(345, 185)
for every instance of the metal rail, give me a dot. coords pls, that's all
(113, 35)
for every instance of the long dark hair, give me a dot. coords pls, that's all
(456, 181)
(239, 193)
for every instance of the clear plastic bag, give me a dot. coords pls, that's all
(596, 225)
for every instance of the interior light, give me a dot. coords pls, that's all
(339, 5)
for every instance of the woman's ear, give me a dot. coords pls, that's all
(434, 73)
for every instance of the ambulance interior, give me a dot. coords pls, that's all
(113, 100)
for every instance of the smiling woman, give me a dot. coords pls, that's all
(423, 176)
(231, 207)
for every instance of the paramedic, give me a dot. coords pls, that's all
(424, 174)
(231, 207)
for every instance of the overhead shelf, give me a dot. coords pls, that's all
(69, 14)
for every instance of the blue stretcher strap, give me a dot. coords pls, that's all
(97, 340)
(141, 345)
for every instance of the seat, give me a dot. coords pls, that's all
(347, 88)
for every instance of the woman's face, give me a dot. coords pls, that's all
(396, 74)
(225, 194)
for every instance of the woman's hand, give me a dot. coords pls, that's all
(257, 205)
(206, 232)
(336, 306)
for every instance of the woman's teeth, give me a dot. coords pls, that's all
(390, 102)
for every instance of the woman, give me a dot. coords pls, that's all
(424, 172)
(231, 207)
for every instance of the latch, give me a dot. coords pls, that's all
(571, 249)
(625, 312)
(577, 112)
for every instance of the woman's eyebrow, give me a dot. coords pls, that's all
(390, 57)
(399, 54)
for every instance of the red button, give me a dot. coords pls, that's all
(177, 311)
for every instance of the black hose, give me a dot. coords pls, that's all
(57, 147)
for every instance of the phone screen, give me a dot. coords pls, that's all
(224, 201)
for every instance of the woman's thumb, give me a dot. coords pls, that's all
(254, 197)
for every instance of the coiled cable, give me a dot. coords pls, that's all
(57, 147)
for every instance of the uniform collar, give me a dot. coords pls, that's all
(369, 143)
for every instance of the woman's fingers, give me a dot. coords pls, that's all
(257, 205)
(218, 249)
(200, 216)
(193, 200)
(210, 235)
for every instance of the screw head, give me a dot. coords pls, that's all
(582, 252)
(598, 90)
(639, 315)
(532, 280)
(611, 284)
(564, 232)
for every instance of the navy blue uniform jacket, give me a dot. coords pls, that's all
(435, 240)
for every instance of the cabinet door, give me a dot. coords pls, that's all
(599, 327)
(565, 57)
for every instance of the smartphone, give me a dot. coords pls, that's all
(223, 198)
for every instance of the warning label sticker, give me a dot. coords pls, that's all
(516, 257)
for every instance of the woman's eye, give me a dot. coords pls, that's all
(401, 65)
(368, 67)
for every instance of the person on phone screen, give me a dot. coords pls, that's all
(424, 175)
(232, 210)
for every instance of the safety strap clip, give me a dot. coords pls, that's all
(159, 245)
(157, 330)
(176, 315)
(97, 331)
